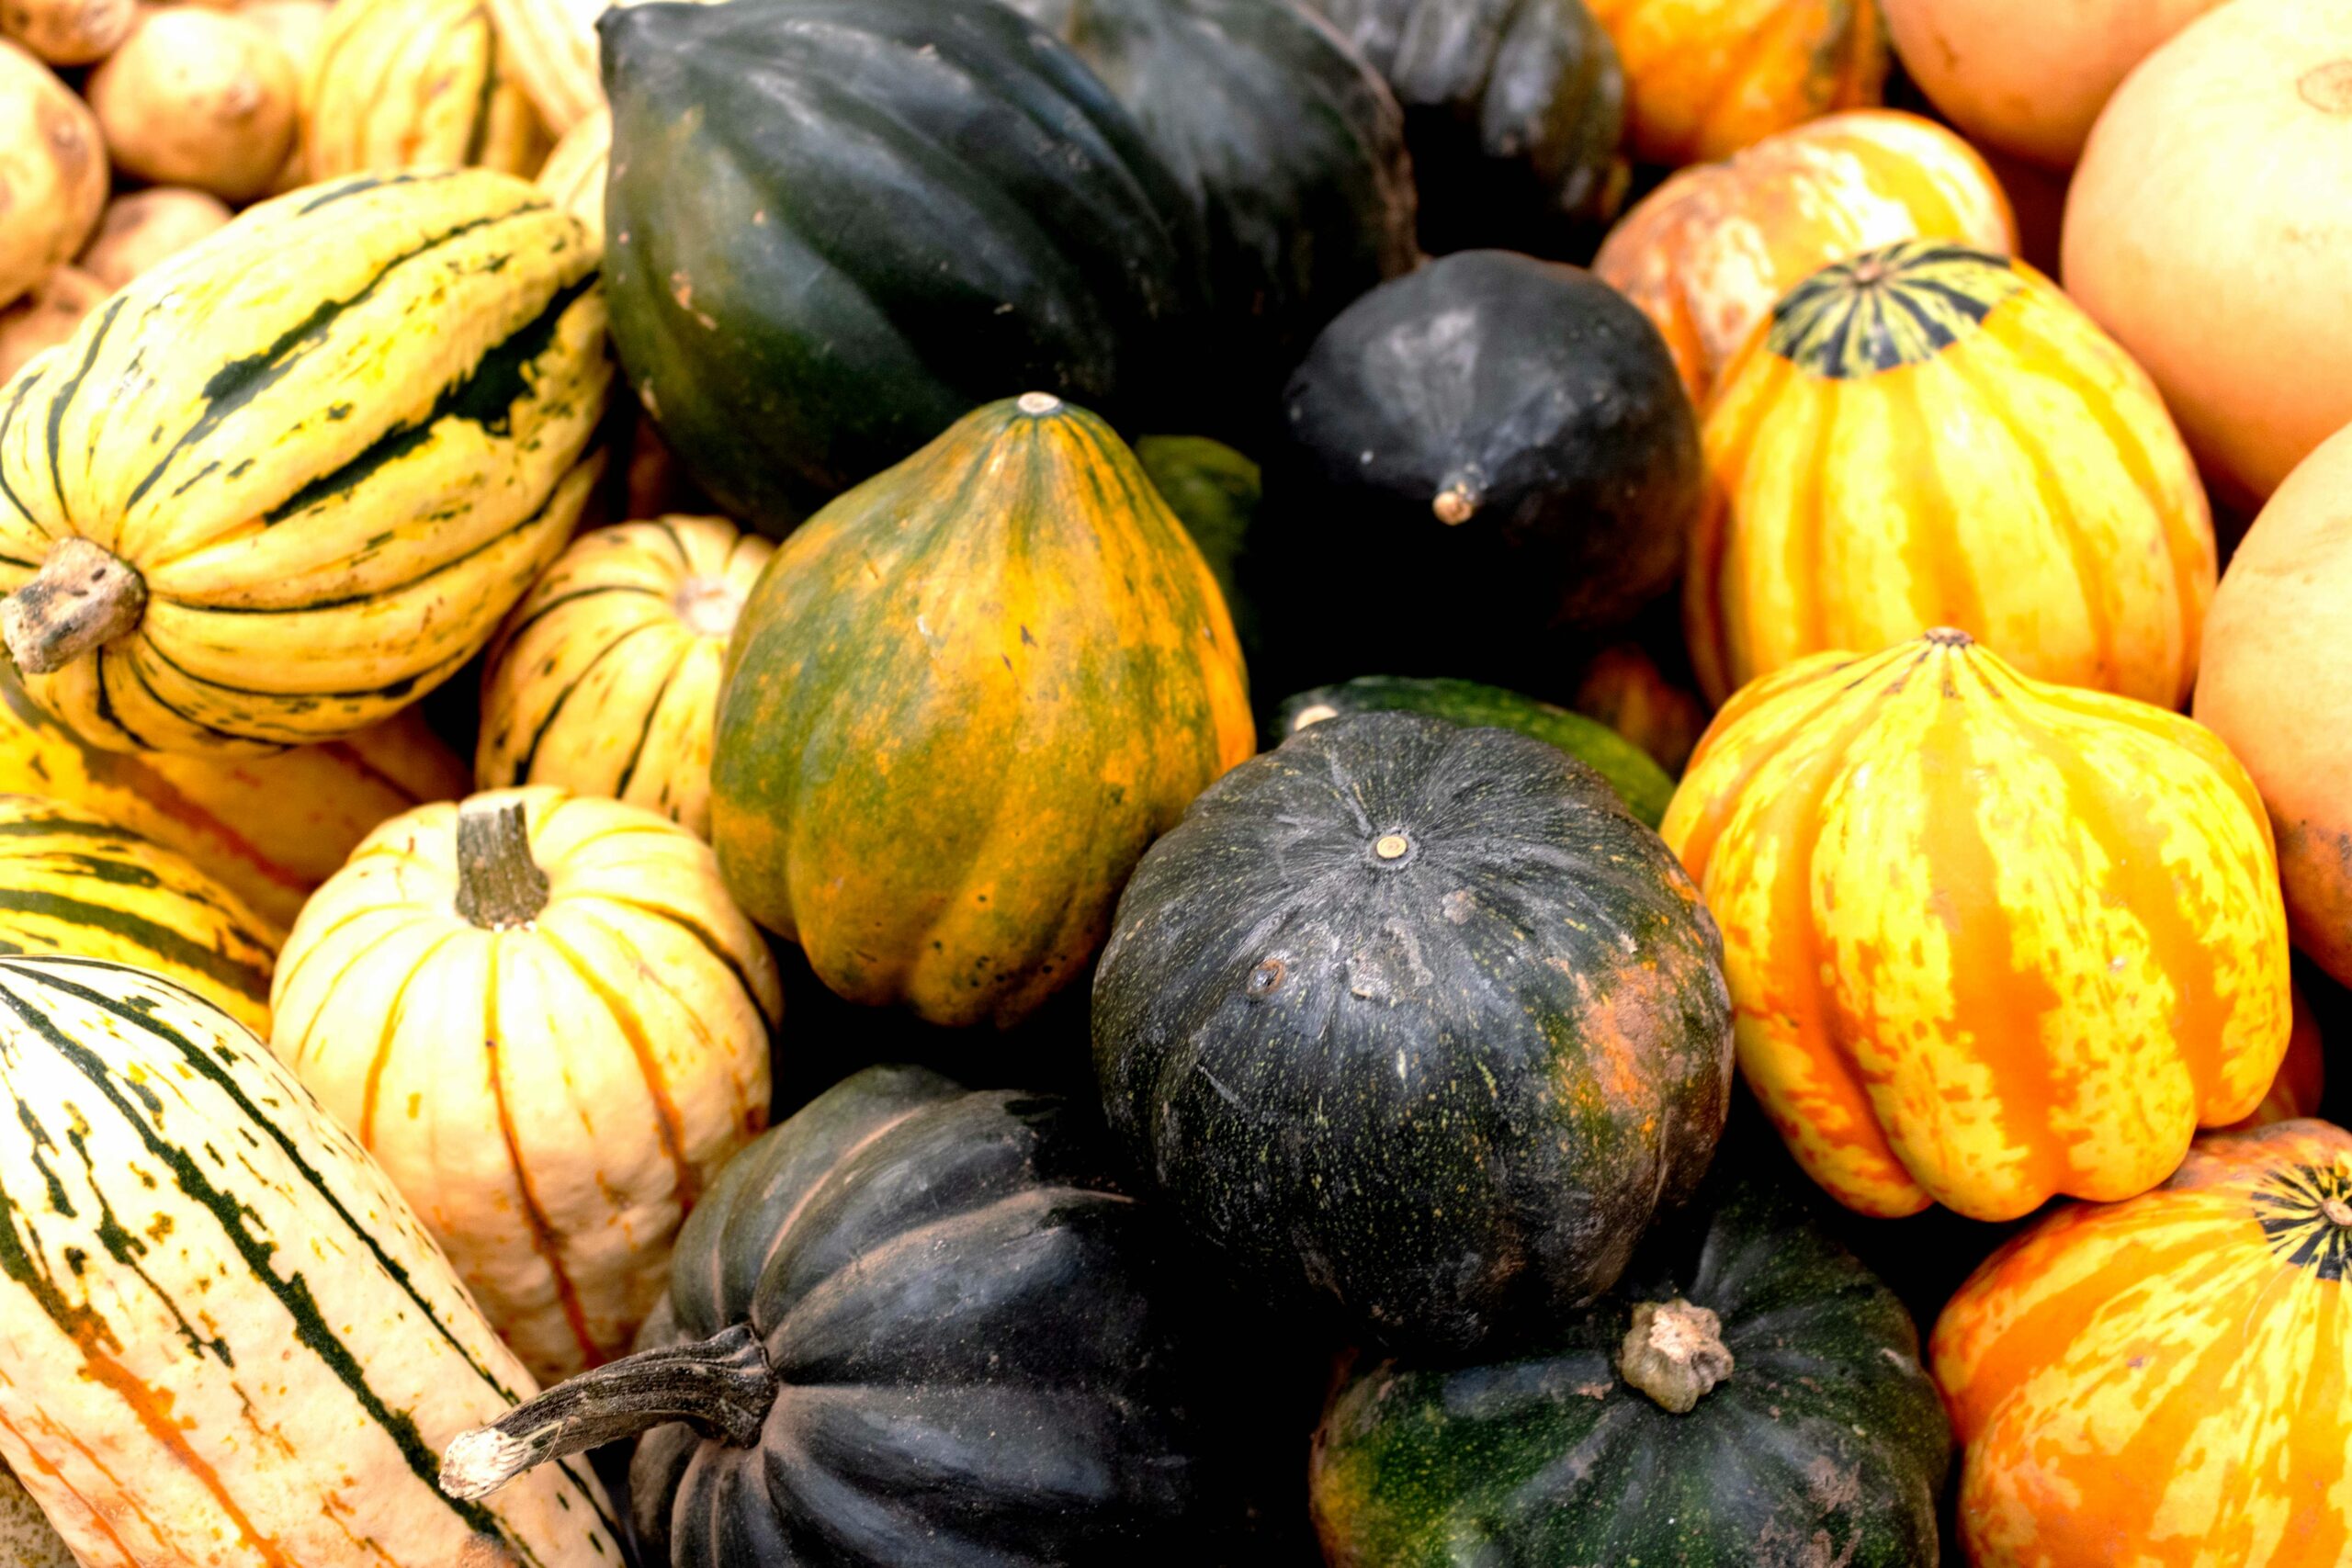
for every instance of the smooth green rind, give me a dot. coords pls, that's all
(1825, 1445)
(1631, 772)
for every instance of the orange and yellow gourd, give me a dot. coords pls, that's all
(1932, 435)
(1704, 78)
(1989, 939)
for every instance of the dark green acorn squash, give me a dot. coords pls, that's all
(1794, 1428)
(1638, 781)
(1292, 147)
(1513, 109)
(910, 1325)
(1214, 491)
(1491, 461)
(1416, 1024)
(834, 225)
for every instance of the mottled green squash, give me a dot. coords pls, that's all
(1214, 491)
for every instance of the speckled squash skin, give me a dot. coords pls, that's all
(959, 704)
(1990, 940)
(25, 1539)
(2163, 1382)
(1416, 1024)
(1824, 1445)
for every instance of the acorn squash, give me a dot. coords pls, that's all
(1215, 493)
(1513, 110)
(2167, 1372)
(834, 225)
(1478, 1000)
(1990, 940)
(960, 703)
(229, 1341)
(416, 84)
(1629, 770)
(559, 986)
(1748, 1394)
(288, 481)
(1931, 435)
(910, 1325)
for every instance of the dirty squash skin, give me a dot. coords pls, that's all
(2163, 1382)
(1990, 941)
(1417, 1025)
(27, 1539)
(234, 1346)
(962, 700)
(1787, 1423)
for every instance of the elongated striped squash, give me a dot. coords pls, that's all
(72, 882)
(289, 480)
(1989, 939)
(552, 44)
(604, 680)
(559, 988)
(225, 1342)
(574, 174)
(417, 84)
(269, 828)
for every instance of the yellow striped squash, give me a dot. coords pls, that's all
(1989, 939)
(604, 680)
(540, 1012)
(574, 175)
(73, 883)
(417, 84)
(229, 1344)
(290, 479)
(1928, 434)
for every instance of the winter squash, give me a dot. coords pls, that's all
(573, 177)
(1708, 253)
(198, 97)
(553, 45)
(286, 483)
(2027, 79)
(604, 680)
(68, 32)
(52, 172)
(558, 985)
(879, 237)
(72, 882)
(1513, 111)
(910, 1325)
(2162, 1380)
(2031, 954)
(2271, 687)
(274, 1284)
(267, 828)
(1961, 386)
(2301, 1078)
(1290, 146)
(2162, 216)
(1625, 688)
(1697, 1413)
(416, 84)
(905, 782)
(1214, 491)
(25, 1539)
(1629, 770)
(1534, 465)
(1480, 998)
(1704, 78)
(141, 229)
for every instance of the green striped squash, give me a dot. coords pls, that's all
(72, 882)
(228, 1341)
(289, 480)
(416, 84)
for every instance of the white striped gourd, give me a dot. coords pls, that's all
(417, 84)
(290, 479)
(229, 1344)
(542, 1013)
(604, 680)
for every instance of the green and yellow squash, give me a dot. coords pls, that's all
(230, 1344)
(288, 481)
(416, 84)
(961, 701)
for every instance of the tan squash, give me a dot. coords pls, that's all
(69, 32)
(573, 176)
(299, 27)
(145, 227)
(416, 84)
(47, 316)
(52, 172)
(2204, 230)
(541, 1012)
(198, 97)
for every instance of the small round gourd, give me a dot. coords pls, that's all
(416, 85)
(559, 988)
(52, 172)
(68, 32)
(606, 678)
(138, 229)
(198, 97)
(1704, 78)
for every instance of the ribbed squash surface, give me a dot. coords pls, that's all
(417, 84)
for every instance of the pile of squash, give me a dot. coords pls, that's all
(1054, 784)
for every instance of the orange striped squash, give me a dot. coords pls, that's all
(2167, 1382)
(1707, 252)
(1931, 435)
(1989, 939)
(541, 1013)
(1704, 78)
